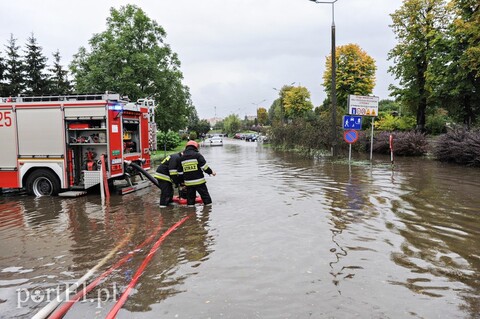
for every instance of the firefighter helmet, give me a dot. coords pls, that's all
(192, 143)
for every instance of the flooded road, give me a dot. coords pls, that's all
(286, 237)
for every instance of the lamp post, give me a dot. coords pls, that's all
(334, 78)
(256, 111)
(257, 104)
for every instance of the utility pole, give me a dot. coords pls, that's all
(334, 80)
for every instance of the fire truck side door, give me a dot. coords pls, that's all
(8, 147)
(41, 132)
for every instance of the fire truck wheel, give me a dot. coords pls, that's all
(43, 182)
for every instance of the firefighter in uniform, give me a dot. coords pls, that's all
(168, 174)
(193, 166)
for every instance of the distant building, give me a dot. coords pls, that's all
(214, 120)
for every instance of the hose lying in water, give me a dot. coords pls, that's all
(45, 311)
(120, 302)
(144, 172)
(60, 312)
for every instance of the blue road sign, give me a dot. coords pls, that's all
(352, 122)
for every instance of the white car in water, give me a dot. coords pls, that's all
(214, 141)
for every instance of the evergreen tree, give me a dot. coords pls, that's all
(14, 82)
(35, 64)
(3, 86)
(59, 83)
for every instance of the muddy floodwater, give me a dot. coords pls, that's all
(286, 237)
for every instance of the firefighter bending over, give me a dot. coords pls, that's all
(168, 174)
(193, 166)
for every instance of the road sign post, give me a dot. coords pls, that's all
(364, 106)
(391, 147)
(350, 136)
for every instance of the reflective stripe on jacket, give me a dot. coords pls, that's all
(169, 169)
(194, 182)
(162, 177)
(193, 166)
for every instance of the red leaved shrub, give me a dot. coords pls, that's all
(459, 146)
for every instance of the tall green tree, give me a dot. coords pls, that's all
(418, 26)
(14, 72)
(276, 113)
(218, 125)
(132, 58)
(297, 102)
(262, 116)
(193, 120)
(457, 73)
(355, 73)
(35, 67)
(466, 26)
(197, 125)
(232, 124)
(203, 127)
(58, 81)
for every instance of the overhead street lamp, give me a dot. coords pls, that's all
(291, 84)
(257, 104)
(334, 82)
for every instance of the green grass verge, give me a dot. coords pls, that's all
(157, 156)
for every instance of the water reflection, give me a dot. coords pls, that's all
(176, 261)
(350, 207)
(417, 210)
(61, 239)
(287, 236)
(439, 221)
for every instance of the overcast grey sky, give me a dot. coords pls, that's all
(233, 52)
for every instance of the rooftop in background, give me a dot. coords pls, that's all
(214, 120)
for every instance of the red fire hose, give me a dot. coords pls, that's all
(120, 302)
(60, 312)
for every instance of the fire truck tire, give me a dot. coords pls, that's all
(43, 182)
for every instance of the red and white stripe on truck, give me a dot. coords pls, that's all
(49, 144)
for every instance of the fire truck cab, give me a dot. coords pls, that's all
(51, 144)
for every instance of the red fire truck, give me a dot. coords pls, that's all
(51, 144)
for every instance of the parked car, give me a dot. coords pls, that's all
(251, 137)
(263, 139)
(214, 141)
(239, 136)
